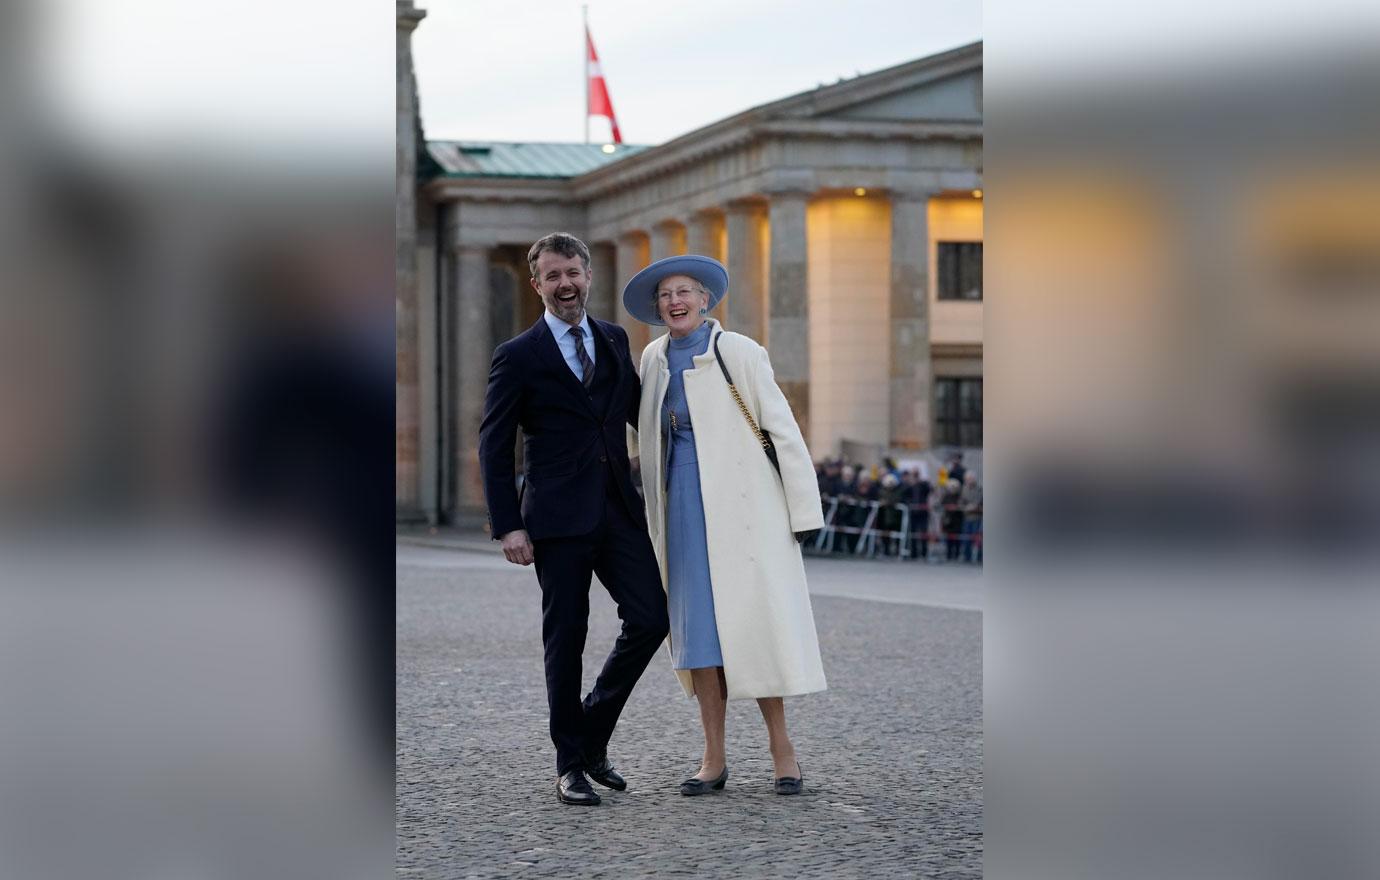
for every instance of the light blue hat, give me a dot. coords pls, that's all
(639, 297)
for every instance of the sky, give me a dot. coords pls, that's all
(514, 71)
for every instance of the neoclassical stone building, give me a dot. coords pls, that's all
(850, 219)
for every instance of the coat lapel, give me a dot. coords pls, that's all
(550, 353)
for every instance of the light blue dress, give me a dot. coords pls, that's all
(690, 596)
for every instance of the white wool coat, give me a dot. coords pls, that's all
(761, 603)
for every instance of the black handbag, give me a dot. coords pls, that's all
(762, 436)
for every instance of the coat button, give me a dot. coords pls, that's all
(603, 458)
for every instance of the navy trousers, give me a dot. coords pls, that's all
(620, 553)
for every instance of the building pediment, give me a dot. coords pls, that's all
(956, 98)
(937, 89)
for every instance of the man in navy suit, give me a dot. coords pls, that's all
(569, 382)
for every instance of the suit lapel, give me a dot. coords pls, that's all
(550, 353)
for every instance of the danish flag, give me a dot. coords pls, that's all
(600, 104)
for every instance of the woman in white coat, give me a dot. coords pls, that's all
(725, 522)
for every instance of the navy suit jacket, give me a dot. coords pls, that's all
(568, 447)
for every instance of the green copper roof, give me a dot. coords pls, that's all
(495, 159)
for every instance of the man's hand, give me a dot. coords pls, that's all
(517, 547)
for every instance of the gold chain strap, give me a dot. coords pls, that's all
(747, 415)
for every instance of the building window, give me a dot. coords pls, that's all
(960, 270)
(958, 412)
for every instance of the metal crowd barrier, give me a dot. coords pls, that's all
(867, 539)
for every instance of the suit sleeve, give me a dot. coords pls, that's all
(775, 418)
(497, 436)
(635, 393)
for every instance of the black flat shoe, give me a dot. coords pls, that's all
(693, 786)
(791, 784)
(602, 772)
(573, 788)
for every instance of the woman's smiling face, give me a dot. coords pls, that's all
(679, 299)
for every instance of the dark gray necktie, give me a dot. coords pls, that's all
(586, 365)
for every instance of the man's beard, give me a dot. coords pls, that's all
(569, 311)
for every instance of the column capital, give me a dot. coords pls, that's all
(456, 234)
(788, 183)
(912, 185)
(961, 180)
(746, 206)
(409, 16)
(897, 194)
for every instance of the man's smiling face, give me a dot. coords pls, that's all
(563, 285)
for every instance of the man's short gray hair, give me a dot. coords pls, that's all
(562, 243)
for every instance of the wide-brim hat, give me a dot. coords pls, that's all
(639, 296)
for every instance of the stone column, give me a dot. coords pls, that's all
(746, 255)
(631, 258)
(407, 411)
(475, 345)
(668, 240)
(912, 372)
(604, 289)
(430, 293)
(703, 235)
(788, 312)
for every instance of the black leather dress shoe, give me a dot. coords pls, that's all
(602, 772)
(791, 784)
(694, 786)
(574, 788)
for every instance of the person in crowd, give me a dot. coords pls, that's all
(866, 489)
(848, 480)
(724, 516)
(831, 478)
(889, 493)
(864, 493)
(956, 468)
(970, 500)
(952, 519)
(889, 466)
(915, 495)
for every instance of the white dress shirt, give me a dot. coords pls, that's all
(566, 343)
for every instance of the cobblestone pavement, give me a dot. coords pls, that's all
(891, 753)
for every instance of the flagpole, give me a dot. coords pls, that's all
(584, 53)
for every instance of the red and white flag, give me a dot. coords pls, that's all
(600, 104)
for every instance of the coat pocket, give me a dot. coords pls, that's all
(558, 468)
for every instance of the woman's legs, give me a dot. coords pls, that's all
(712, 693)
(782, 749)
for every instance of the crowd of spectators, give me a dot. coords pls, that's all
(944, 518)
